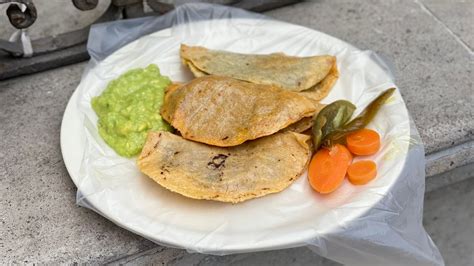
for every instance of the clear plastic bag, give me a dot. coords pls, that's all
(376, 224)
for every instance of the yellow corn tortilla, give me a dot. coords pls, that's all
(305, 123)
(225, 112)
(234, 174)
(322, 89)
(287, 72)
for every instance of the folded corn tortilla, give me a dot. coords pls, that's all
(287, 72)
(224, 112)
(234, 174)
(322, 89)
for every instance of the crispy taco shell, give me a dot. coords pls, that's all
(253, 169)
(287, 72)
(225, 112)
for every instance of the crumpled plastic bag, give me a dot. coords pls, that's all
(387, 231)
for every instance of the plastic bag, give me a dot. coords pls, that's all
(380, 223)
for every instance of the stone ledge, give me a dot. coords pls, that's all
(41, 223)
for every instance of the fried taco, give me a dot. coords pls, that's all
(288, 72)
(234, 174)
(225, 112)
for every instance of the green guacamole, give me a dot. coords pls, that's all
(130, 107)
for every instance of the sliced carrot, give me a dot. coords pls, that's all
(327, 168)
(363, 142)
(362, 172)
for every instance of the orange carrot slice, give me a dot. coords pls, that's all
(362, 172)
(363, 142)
(327, 168)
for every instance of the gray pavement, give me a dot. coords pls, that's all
(433, 69)
(432, 54)
(449, 219)
(457, 18)
(448, 227)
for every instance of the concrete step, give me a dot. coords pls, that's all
(448, 218)
(428, 42)
(37, 208)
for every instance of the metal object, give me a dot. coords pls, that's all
(85, 4)
(70, 47)
(159, 7)
(18, 18)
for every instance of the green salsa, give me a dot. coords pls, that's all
(130, 107)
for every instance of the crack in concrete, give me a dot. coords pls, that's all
(454, 35)
(134, 256)
(450, 177)
(439, 155)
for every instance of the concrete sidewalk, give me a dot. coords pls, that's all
(430, 44)
(450, 228)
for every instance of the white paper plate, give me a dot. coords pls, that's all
(112, 185)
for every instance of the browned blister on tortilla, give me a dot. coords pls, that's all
(234, 174)
(287, 72)
(225, 112)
